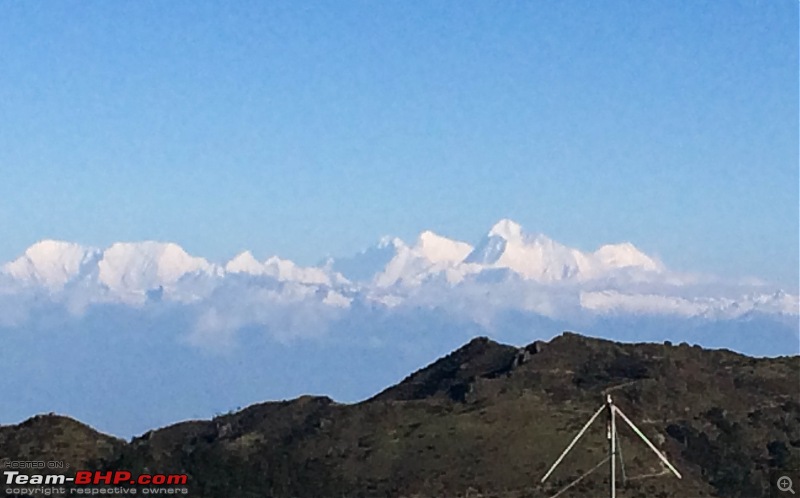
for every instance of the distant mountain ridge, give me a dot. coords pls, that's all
(614, 278)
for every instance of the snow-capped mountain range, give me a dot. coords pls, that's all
(614, 278)
(185, 337)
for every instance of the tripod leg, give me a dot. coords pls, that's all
(575, 440)
(647, 441)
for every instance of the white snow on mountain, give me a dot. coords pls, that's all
(51, 264)
(625, 255)
(431, 255)
(509, 270)
(129, 270)
(150, 310)
(441, 250)
(613, 302)
(282, 270)
(536, 257)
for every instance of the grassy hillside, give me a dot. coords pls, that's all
(488, 419)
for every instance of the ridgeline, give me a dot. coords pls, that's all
(486, 420)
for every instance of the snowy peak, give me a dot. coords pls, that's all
(280, 269)
(131, 269)
(507, 229)
(51, 263)
(285, 270)
(537, 257)
(438, 249)
(136, 267)
(124, 269)
(508, 268)
(533, 257)
(430, 256)
(506, 240)
(626, 255)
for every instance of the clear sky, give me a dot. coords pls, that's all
(308, 129)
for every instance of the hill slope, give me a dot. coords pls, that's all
(487, 419)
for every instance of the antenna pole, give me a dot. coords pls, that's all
(613, 437)
(612, 449)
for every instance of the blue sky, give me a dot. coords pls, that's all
(307, 130)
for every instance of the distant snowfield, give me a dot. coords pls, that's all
(169, 336)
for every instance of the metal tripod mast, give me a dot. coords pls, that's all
(611, 434)
(612, 448)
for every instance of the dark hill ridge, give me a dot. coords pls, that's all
(54, 437)
(452, 375)
(486, 419)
